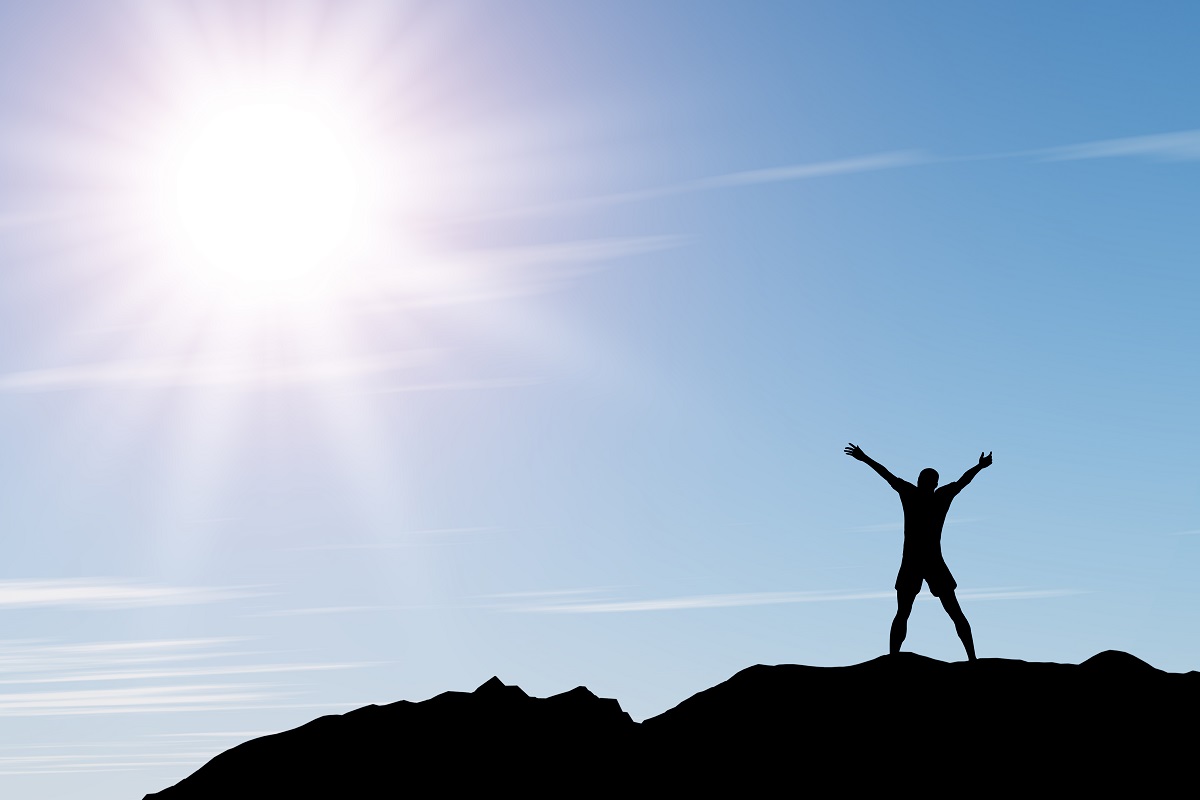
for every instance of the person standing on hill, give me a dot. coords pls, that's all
(925, 507)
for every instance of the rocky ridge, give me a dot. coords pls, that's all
(896, 722)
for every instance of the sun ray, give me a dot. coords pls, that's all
(272, 204)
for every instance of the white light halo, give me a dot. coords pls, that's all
(267, 195)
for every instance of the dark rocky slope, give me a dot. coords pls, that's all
(910, 723)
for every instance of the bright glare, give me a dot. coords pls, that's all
(267, 194)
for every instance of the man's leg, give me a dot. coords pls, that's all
(904, 604)
(950, 603)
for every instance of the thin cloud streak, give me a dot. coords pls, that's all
(508, 272)
(549, 593)
(1013, 594)
(148, 689)
(325, 610)
(187, 672)
(175, 372)
(203, 735)
(793, 172)
(101, 593)
(770, 598)
(801, 172)
(214, 703)
(96, 762)
(1176, 146)
(415, 538)
(140, 699)
(458, 386)
(150, 752)
(23, 663)
(40, 659)
(584, 251)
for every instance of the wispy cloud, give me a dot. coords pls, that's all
(317, 611)
(413, 538)
(498, 273)
(1177, 146)
(154, 700)
(1185, 533)
(580, 252)
(14, 654)
(76, 762)
(463, 386)
(549, 593)
(1016, 593)
(104, 593)
(161, 372)
(163, 751)
(183, 672)
(150, 752)
(205, 735)
(802, 172)
(1172, 146)
(696, 601)
(764, 598)
(792, 172)
(150, 684)
(134, 699)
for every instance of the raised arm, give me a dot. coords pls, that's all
(969, 475)
(854, 451)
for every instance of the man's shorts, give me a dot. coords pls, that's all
(932, 571)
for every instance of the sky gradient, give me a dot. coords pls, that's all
(573, 410)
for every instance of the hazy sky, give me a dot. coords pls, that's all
(566, 313)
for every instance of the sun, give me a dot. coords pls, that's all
(266, 195)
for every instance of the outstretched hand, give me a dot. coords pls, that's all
(985, 461)
(854, 451)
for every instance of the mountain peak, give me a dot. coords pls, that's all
(494, 685)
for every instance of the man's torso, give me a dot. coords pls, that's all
(924, 516)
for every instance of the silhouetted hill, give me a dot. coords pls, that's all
(452, 743)
(903, 722)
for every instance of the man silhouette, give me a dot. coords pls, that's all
(925, 507)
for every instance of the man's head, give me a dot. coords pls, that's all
(927, 479)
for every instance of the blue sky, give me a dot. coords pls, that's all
(569, 406)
